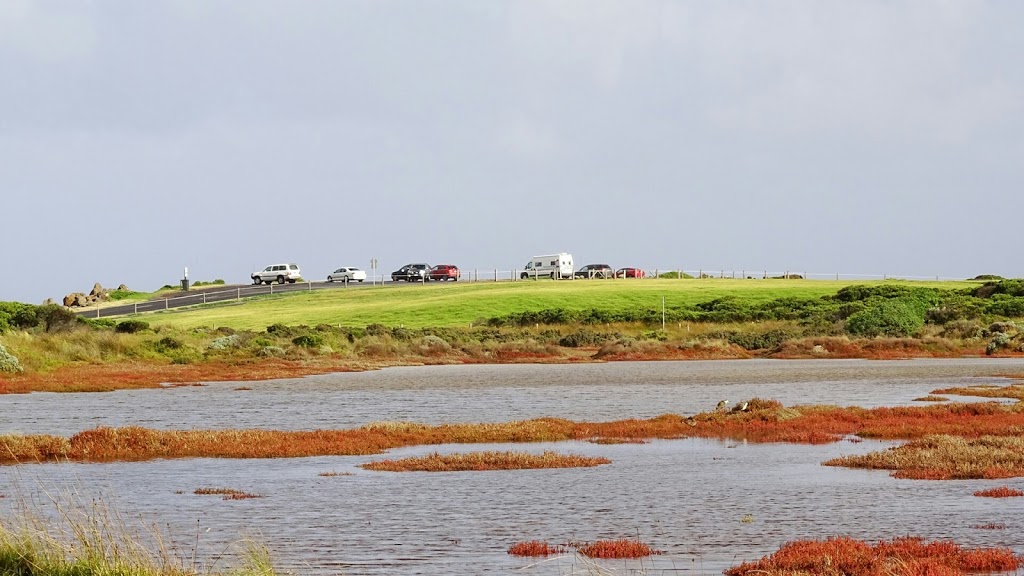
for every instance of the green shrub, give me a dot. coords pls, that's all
(8, 362)
(131, 327)
(126, 294)
(377, 330)
(675, 275)
(431, 345)
(999, 342)
(270, 351)
(308, 340)
(897, 318)
(582, 338)
(755, 340)
(167, 344)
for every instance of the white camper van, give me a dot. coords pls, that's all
(550, 266)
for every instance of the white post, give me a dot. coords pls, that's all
(271, 288)
(238, 293)
(136, 307)
(204, 296)
(662, 313)
(167, 304)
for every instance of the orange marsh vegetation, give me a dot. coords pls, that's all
(1000, 492)
(481, 461)
(766, 421)
(907, 556)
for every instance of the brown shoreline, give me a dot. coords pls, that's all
(139, 374)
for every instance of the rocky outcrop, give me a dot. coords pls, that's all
(96, 295)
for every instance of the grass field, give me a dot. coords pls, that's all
(435, 305)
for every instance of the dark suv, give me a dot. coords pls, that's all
(444, 272)
(595, 271)
(411, 273)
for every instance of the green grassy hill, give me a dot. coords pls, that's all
(461, 304)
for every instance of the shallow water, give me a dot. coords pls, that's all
(489, 393)
(686, 497)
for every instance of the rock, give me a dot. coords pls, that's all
(97, 289)
(73, 299)
(819, 349)
(122, 288)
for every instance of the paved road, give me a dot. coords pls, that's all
(223, 294)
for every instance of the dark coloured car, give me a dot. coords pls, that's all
(444, 272)
(411, 273)
(630, 273)
(595, 271)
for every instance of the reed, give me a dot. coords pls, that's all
(910, 556)
(610, 549)
(481, 461)
(536, 548)
(76, 539)
(946, 458)
(1000, 492)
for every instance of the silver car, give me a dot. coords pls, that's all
(347, 274)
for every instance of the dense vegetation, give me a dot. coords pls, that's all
(938, 321)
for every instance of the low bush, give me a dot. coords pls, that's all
(308, 341)
(270, 351)
(999, 342)
(8, 362)
(131, 327)
(167, 344)
(226, 342)
(675, 274)
(895, 317)
(431, 345)
(582, 338)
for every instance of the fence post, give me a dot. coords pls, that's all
(271, 288)
(204, 296)
(136, 307)
(238, 293)
(311, 284)
(167, 304)
(97, 309)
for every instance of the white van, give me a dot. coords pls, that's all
(549, 266)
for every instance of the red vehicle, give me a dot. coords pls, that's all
(444, 272)
(630, 273)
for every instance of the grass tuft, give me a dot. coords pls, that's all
(481, 461)
(1000, 492)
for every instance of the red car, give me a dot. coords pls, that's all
(444, 272)
(630, 273)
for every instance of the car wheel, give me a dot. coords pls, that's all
(280, 279)
(358, 280)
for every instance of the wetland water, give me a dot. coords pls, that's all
(707, 504)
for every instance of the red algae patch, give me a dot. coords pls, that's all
(333, 474)
(481, 461)
(908, 556)
(617, 549)
(1000, 492)
(536, 548)
(989, 526)
(931, 398)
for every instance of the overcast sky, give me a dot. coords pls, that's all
(137, 138)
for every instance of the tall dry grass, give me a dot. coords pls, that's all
(78, 539)
(946, 458)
